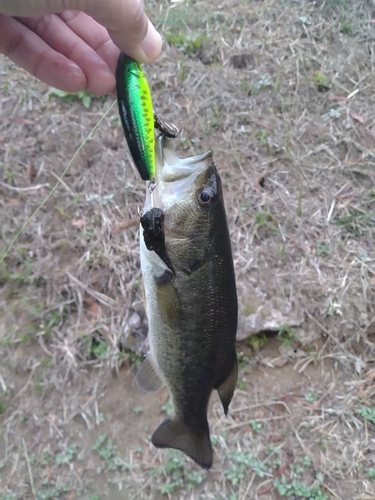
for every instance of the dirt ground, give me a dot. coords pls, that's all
(283, 92)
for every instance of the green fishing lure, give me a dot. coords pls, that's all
(136, 113)
(137, 116)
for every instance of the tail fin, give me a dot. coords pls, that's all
(195, 444)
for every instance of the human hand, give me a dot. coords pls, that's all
(74, 44)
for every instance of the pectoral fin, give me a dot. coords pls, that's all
(168, 301)
(148, 378)
(226, 389)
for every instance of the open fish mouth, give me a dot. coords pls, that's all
(174, 168)
(174, 175)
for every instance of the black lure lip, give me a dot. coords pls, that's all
(152, 223)
(125, 102)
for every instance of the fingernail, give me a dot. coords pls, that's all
(102, 82)
(152, 43)
(62, 75)
(75, 75)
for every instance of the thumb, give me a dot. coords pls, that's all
(128, 26)
(125, 20)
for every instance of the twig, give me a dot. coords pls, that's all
(100, 297)
(63, 183)
(24, 189)
(253, 420)
(141, 489)
(248, 487)
(29, 468)
(21, 391)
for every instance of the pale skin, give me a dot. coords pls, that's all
(74, 44)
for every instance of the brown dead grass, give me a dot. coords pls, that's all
(283, 92)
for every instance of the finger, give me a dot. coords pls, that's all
(30, 52)
(94, 34)
(37, 8)
(128, 26)
(125, 21)
(58, 35)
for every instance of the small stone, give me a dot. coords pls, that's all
(134, 321)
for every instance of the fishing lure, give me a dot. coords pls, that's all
(137, 116)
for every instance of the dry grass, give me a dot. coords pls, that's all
(283, 92)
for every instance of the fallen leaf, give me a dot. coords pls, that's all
(265, 490)
(93, 310)
(106, 330)
(358, 118)
(337, 98)
(246, 428)
(31, 172)
(370, 377)
(345, 195)
(49, 473)
(23, 121)
(124, 225)
(79, 222)
(13, 202)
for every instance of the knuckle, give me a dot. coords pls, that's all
(10, 38)
(43, 24)
(10, 47)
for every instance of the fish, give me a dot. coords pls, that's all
(190, 297)
(137, 116)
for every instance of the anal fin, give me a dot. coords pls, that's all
(226, 389)
(147, 377)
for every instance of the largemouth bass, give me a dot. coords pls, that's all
(190, 297)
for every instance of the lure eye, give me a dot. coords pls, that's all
(206, 197)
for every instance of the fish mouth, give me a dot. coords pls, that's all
(174, 168)
(175, 177)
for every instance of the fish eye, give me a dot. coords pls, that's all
(206, 197)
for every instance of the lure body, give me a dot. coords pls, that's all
(136, 114)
